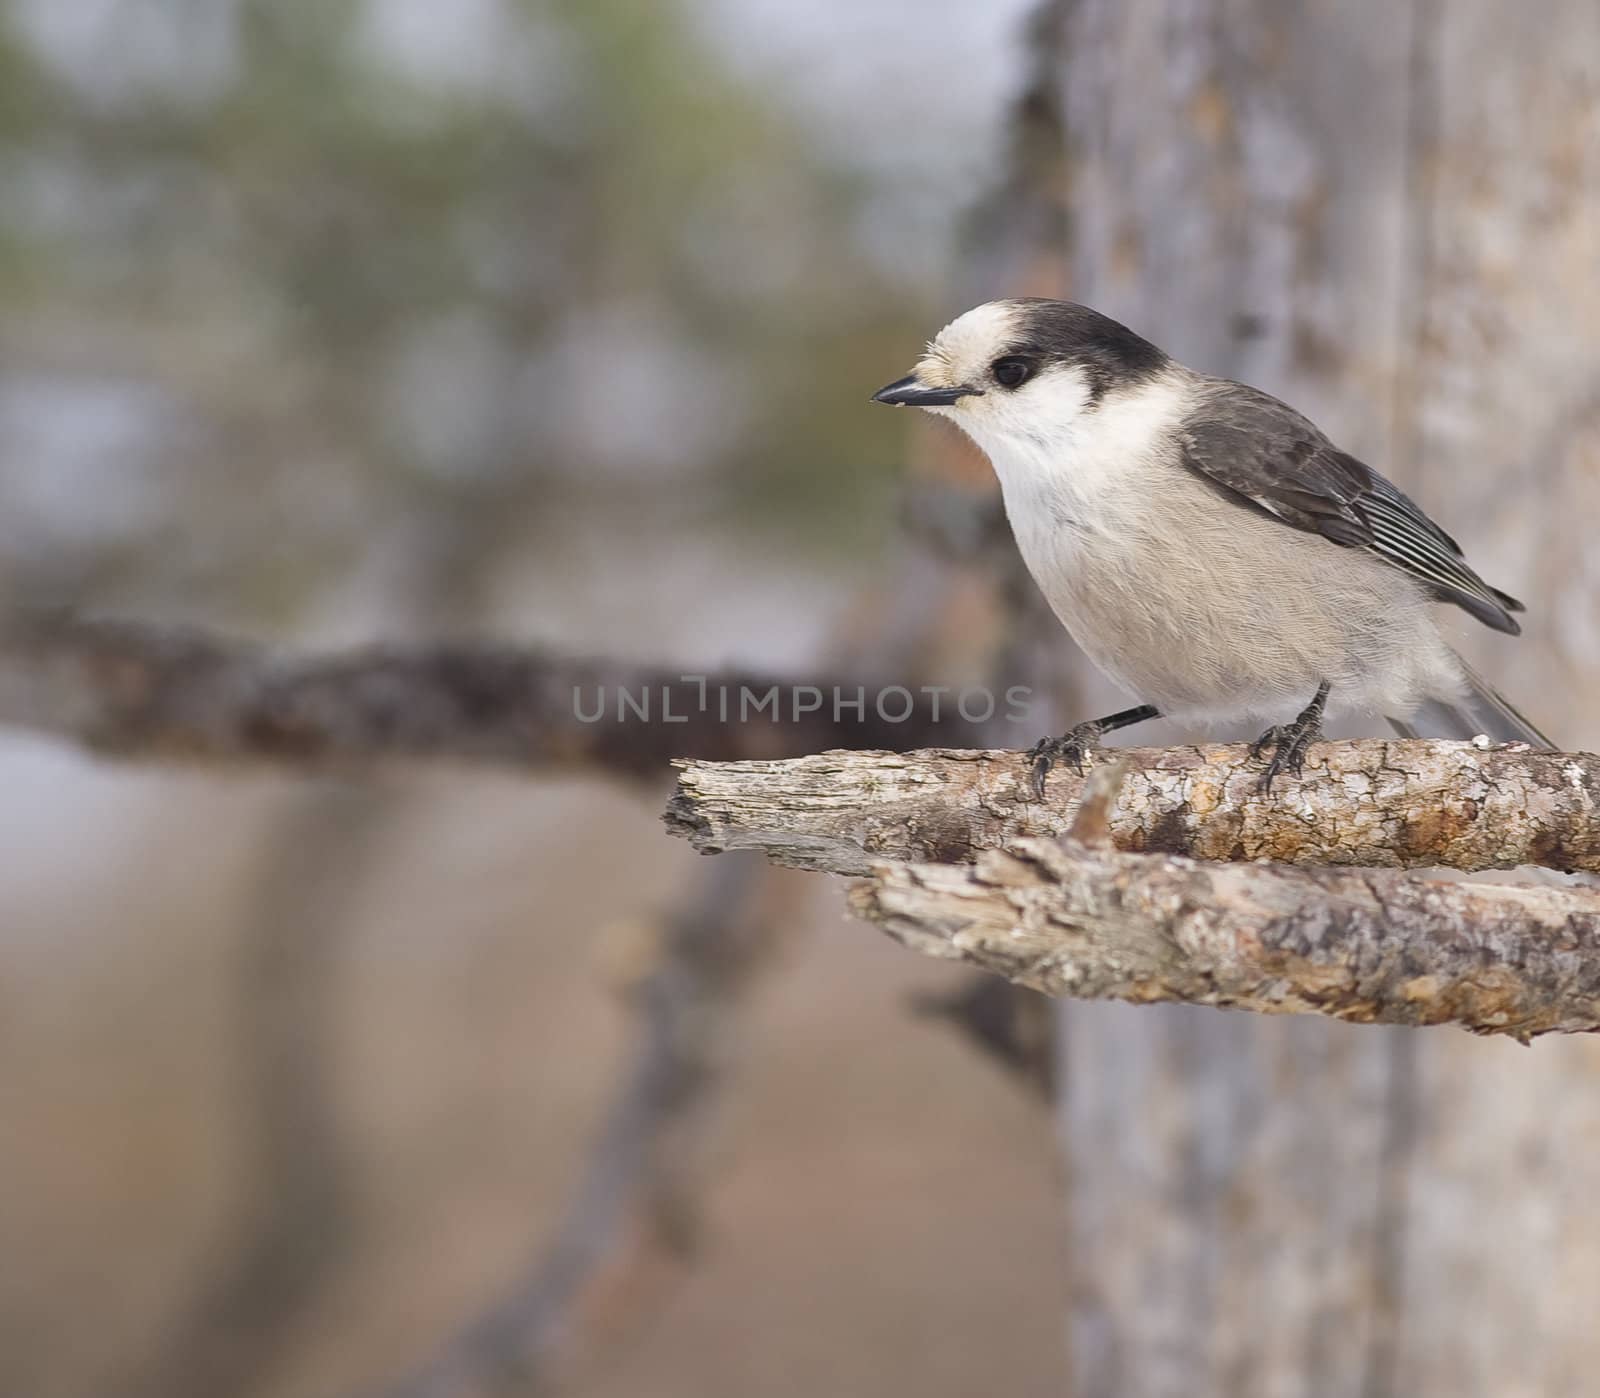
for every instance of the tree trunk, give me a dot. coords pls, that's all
(1387, 212)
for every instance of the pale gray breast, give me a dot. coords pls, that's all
(1192, 602)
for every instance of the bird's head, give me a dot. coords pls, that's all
(1024, 373)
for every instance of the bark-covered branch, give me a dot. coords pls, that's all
(1071, 919)
(143, 691)
(1095, 914)
(1380, 804)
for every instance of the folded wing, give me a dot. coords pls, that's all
(1274, 460)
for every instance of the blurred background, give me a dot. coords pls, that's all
(333, 321)
(330, 322)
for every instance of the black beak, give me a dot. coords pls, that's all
(908, 393)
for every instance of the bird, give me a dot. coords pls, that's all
(1210, 550)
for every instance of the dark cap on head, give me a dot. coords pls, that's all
(1063, 332)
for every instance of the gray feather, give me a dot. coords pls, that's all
(1482, 710)
(1266, 455)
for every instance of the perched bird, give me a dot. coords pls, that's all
(1210, 550)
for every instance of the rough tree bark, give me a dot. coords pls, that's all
(1082, 917)
(1371, 948)
(1368, 804)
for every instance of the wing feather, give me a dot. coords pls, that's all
(1274, 459)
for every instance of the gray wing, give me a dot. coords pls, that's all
(1267, 456)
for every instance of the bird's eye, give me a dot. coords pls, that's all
(1011, 372)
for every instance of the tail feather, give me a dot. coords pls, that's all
(1483, 709)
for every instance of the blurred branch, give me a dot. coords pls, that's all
(639, 1195)
(1080, 917)
(1369, 803)
(144, 691)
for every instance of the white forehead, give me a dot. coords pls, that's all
(974, 337)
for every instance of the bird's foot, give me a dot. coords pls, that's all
(1288, 742)
(1072, 747)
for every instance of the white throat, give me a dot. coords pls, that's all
(1064, 459)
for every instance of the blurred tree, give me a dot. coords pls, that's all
(332, 315)
(1390, 215)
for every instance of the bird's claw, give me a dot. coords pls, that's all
(1073, 747)
(1289, 743)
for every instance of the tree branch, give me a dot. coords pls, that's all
(1379, 946)
(1090, 915)
(1371, 803)
(142, 691)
